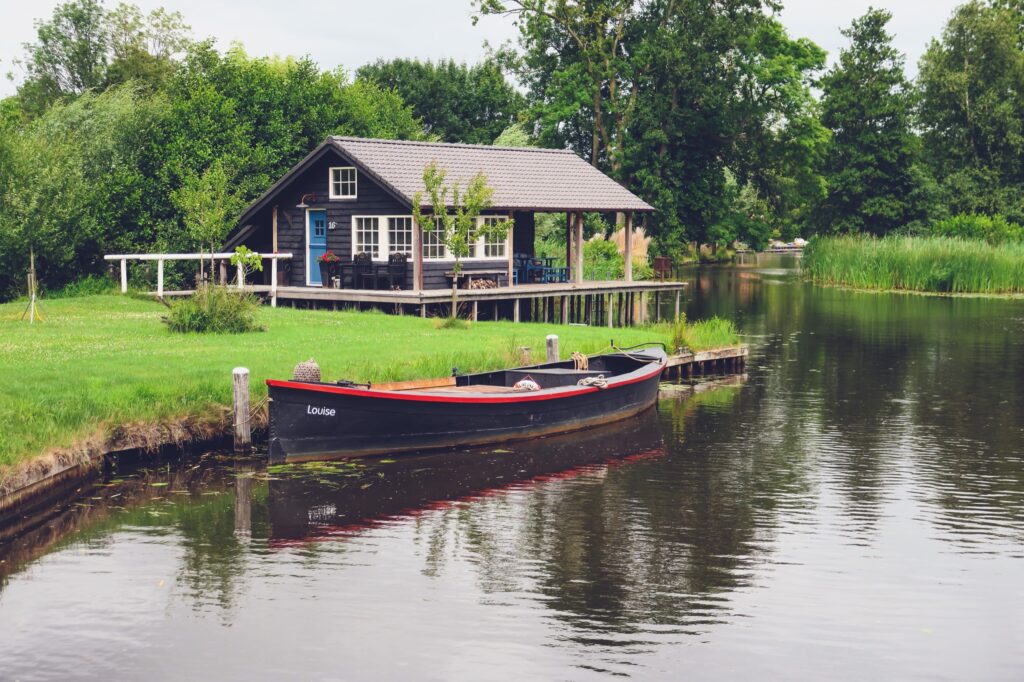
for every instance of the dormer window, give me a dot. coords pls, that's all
(343, 182)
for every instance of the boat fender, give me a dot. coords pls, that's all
(526, 384)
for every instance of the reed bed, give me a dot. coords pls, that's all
(926, 264)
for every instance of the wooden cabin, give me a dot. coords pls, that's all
(352, 196)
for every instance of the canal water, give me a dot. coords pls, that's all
(851, 509)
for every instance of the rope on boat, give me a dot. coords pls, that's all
(259, 406)
(598, 382)
(580, 361)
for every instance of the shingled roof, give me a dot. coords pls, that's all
(523, 178)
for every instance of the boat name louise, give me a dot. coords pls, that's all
(323, 411)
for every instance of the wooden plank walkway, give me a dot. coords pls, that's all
(721, 360)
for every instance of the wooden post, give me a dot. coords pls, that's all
(124, 275)
(160, 278)
(515, 309)
(476, 311)
(579, 248)
(564, 317)
(568, 239)
(608, 308)
(241, 275)
(423, 309)
(552, 347)
(677, 306)
(273, 229)
(242, 425)
(657, 306)
(273, 280)
(417, 258)
(223, 271)
(628, 264)
(508, 249)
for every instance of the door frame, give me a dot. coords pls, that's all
(309, 265)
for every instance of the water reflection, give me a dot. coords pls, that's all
(854, 508)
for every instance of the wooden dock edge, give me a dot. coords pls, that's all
(732, 359)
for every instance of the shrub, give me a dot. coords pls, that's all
(90, 285)
(215, 309)
(993, 229)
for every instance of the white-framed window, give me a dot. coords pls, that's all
(343, 182)
(400, 235)
(492, 246)
(433, 246)
(366, 236)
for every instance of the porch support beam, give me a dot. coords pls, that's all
(578, 238)
(568, 238)
(417, 257)
(628, 256)
(508, 246)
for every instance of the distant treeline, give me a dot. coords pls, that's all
(708, 109)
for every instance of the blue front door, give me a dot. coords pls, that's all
(316, 229)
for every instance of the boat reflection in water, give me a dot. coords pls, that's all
(322, 507)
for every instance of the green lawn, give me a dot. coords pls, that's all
(103, 361)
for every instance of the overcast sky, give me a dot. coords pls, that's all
(348, 33)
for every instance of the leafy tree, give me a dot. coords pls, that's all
(456, 102)
(70, 55)
(453, 216)
(143, 47)
(578, 56)
(515, 135)
(870, 164)
(971, 89)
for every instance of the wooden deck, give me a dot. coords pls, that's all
(613, 303)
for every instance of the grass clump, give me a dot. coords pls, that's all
(926, 264)
(704, 335)
(214, 310)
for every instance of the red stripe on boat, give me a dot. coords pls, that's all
(399, 395)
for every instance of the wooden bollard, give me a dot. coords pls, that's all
(552, 340)
(242, 425)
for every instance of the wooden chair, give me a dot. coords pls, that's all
(397, 268)
(362, 270)
(662, 267)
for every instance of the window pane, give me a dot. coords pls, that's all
(367, 237)
(494, 245)
(433, 246)
(400, 235)
(343, 182)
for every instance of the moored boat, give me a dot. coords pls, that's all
(316, 420)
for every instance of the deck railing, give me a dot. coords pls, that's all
(161, 257)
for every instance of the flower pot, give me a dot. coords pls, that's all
(325, 275)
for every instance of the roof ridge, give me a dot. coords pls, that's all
(424, 143)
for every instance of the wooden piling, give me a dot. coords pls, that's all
(552, 347)
(242, 424)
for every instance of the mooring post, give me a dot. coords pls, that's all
(242, 426)
(552, 344)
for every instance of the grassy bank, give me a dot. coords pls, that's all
(927, 264)
(100, 363)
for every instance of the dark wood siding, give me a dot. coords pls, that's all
(372, 200)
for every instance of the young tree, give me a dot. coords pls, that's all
(872, 183)
(453, 214)
(208, 207)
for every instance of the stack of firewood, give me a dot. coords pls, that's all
(483, 284)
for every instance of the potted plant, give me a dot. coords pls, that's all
(328, 260)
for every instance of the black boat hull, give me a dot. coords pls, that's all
(312, 422)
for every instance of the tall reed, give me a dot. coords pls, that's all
(927, 264)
